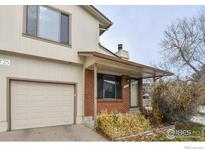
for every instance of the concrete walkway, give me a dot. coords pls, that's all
(58, 133)
(199, 118)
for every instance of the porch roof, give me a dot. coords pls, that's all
(117, 65)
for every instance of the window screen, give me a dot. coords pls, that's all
(64, 28)
(32, 18)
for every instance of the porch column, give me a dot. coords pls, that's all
(154, 79)
(95, 93)
(140, 94)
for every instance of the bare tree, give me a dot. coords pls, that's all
(183, 46)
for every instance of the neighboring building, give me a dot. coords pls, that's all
(53, 71)
(146, 89)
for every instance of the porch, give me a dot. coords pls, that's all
(114, 84)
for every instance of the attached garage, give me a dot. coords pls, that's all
(41, 104)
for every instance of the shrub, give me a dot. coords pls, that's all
(201, 89)
(174, 100)
(116, 125)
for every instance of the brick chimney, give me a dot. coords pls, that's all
(122, 53)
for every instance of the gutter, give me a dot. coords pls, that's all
(116, 59)
(101, 14)
(101, 46)
(111, 23)
(101, 17)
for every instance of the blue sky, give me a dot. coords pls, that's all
(140, 28)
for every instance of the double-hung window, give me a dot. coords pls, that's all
(109, 87)
(47, 23)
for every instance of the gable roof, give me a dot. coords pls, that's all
(105, 23)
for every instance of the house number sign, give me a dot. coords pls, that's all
(4, 61)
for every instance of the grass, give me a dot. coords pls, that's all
(189, 125)
(195, 129)
(125, 126)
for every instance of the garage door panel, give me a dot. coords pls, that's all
(18, 125)
(41, 104)
(21, 116)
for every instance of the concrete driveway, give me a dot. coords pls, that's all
(58, 133)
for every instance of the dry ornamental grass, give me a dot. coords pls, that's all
(116, 125)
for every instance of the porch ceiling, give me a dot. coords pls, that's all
(106, 63)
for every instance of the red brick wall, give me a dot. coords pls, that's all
(89, 93)
(111, 105)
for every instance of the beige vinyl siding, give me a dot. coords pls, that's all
(84, 36)
(38, 69)
(37, 59)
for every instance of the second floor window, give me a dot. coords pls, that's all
(47, 23)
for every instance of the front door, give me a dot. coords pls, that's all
(134, 93)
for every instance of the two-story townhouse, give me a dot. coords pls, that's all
(53, 71)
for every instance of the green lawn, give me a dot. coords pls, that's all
(197, 130)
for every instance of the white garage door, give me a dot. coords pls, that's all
(36, 104)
